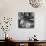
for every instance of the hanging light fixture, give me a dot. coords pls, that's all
(36, 3)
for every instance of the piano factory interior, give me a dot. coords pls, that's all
(22, 23)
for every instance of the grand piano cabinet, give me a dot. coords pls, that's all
(21, 44)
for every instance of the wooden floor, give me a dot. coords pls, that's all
(4, 43)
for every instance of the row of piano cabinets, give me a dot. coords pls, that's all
(30, 44)
(26, 44)
(6, 43)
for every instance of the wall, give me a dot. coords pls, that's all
(10, 8)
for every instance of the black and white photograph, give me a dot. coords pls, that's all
(25, 19)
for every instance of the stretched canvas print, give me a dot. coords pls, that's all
(25, 19)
